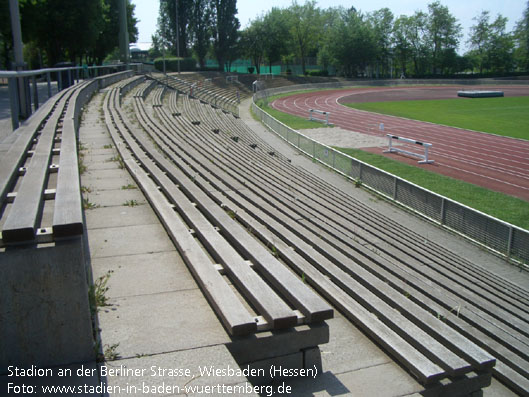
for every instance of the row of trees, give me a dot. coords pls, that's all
(65, 30)
(205, 27)
(425, 43)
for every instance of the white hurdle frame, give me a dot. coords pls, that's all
(326, 114)
(424, 156)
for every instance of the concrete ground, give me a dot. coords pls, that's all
(337, 136)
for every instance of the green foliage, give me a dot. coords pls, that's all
(97, 292)
(171, 64)
(521, 36)
(201, 20)
(492, 48)
(316, 72)
(225, 31)
(70, 30)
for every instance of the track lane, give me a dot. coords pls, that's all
(492, 161)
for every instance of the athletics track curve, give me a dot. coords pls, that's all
(491, 161)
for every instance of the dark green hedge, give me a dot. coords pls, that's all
(171, 64)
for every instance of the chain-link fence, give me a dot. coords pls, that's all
(501, 237)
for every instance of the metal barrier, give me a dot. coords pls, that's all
(505, 239)
(18, 82)
(312, 118)
(424, 156)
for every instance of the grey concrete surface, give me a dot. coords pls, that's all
(156, 314)
(36, 284)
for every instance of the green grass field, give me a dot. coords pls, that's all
(503, 116)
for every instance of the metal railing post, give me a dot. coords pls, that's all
(443, 211)
(13, 98)
(48, 79)
(509, 242)
(59, 81)
(35, 93)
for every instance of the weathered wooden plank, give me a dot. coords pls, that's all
(234, 316)
(15, 156)
(236, 319)
(68, 211)
(308, 303)
(277, 313)
(21, 223)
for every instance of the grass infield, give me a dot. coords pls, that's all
(507, 116)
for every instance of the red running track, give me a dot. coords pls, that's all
(494, 162)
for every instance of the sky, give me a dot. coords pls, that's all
(464, 10)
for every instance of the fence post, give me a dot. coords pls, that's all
(13, 98)
(48, 79)
(509, 242)
(35, 93)
(443, 210)
(313, 149)
(360, 171)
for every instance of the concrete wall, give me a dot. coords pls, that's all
(44, 309)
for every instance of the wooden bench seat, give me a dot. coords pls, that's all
(266, 301)
(34, 206)
(484, 361)
(497, 329)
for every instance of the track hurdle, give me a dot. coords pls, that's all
(326, 114)
(424, 156)
(232, 78)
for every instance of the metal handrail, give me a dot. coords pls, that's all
(19, 91)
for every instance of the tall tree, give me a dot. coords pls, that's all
(200, 29)
(167, 23)
(305, 28)
(225, 29)
(443, 34)
(402, 46)
(501, 46)
(275, 36)
(479, 38)
(416, 28)
(108, 35)
(252, 43)
(382, 22)
(522, 39)
(352, 43)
